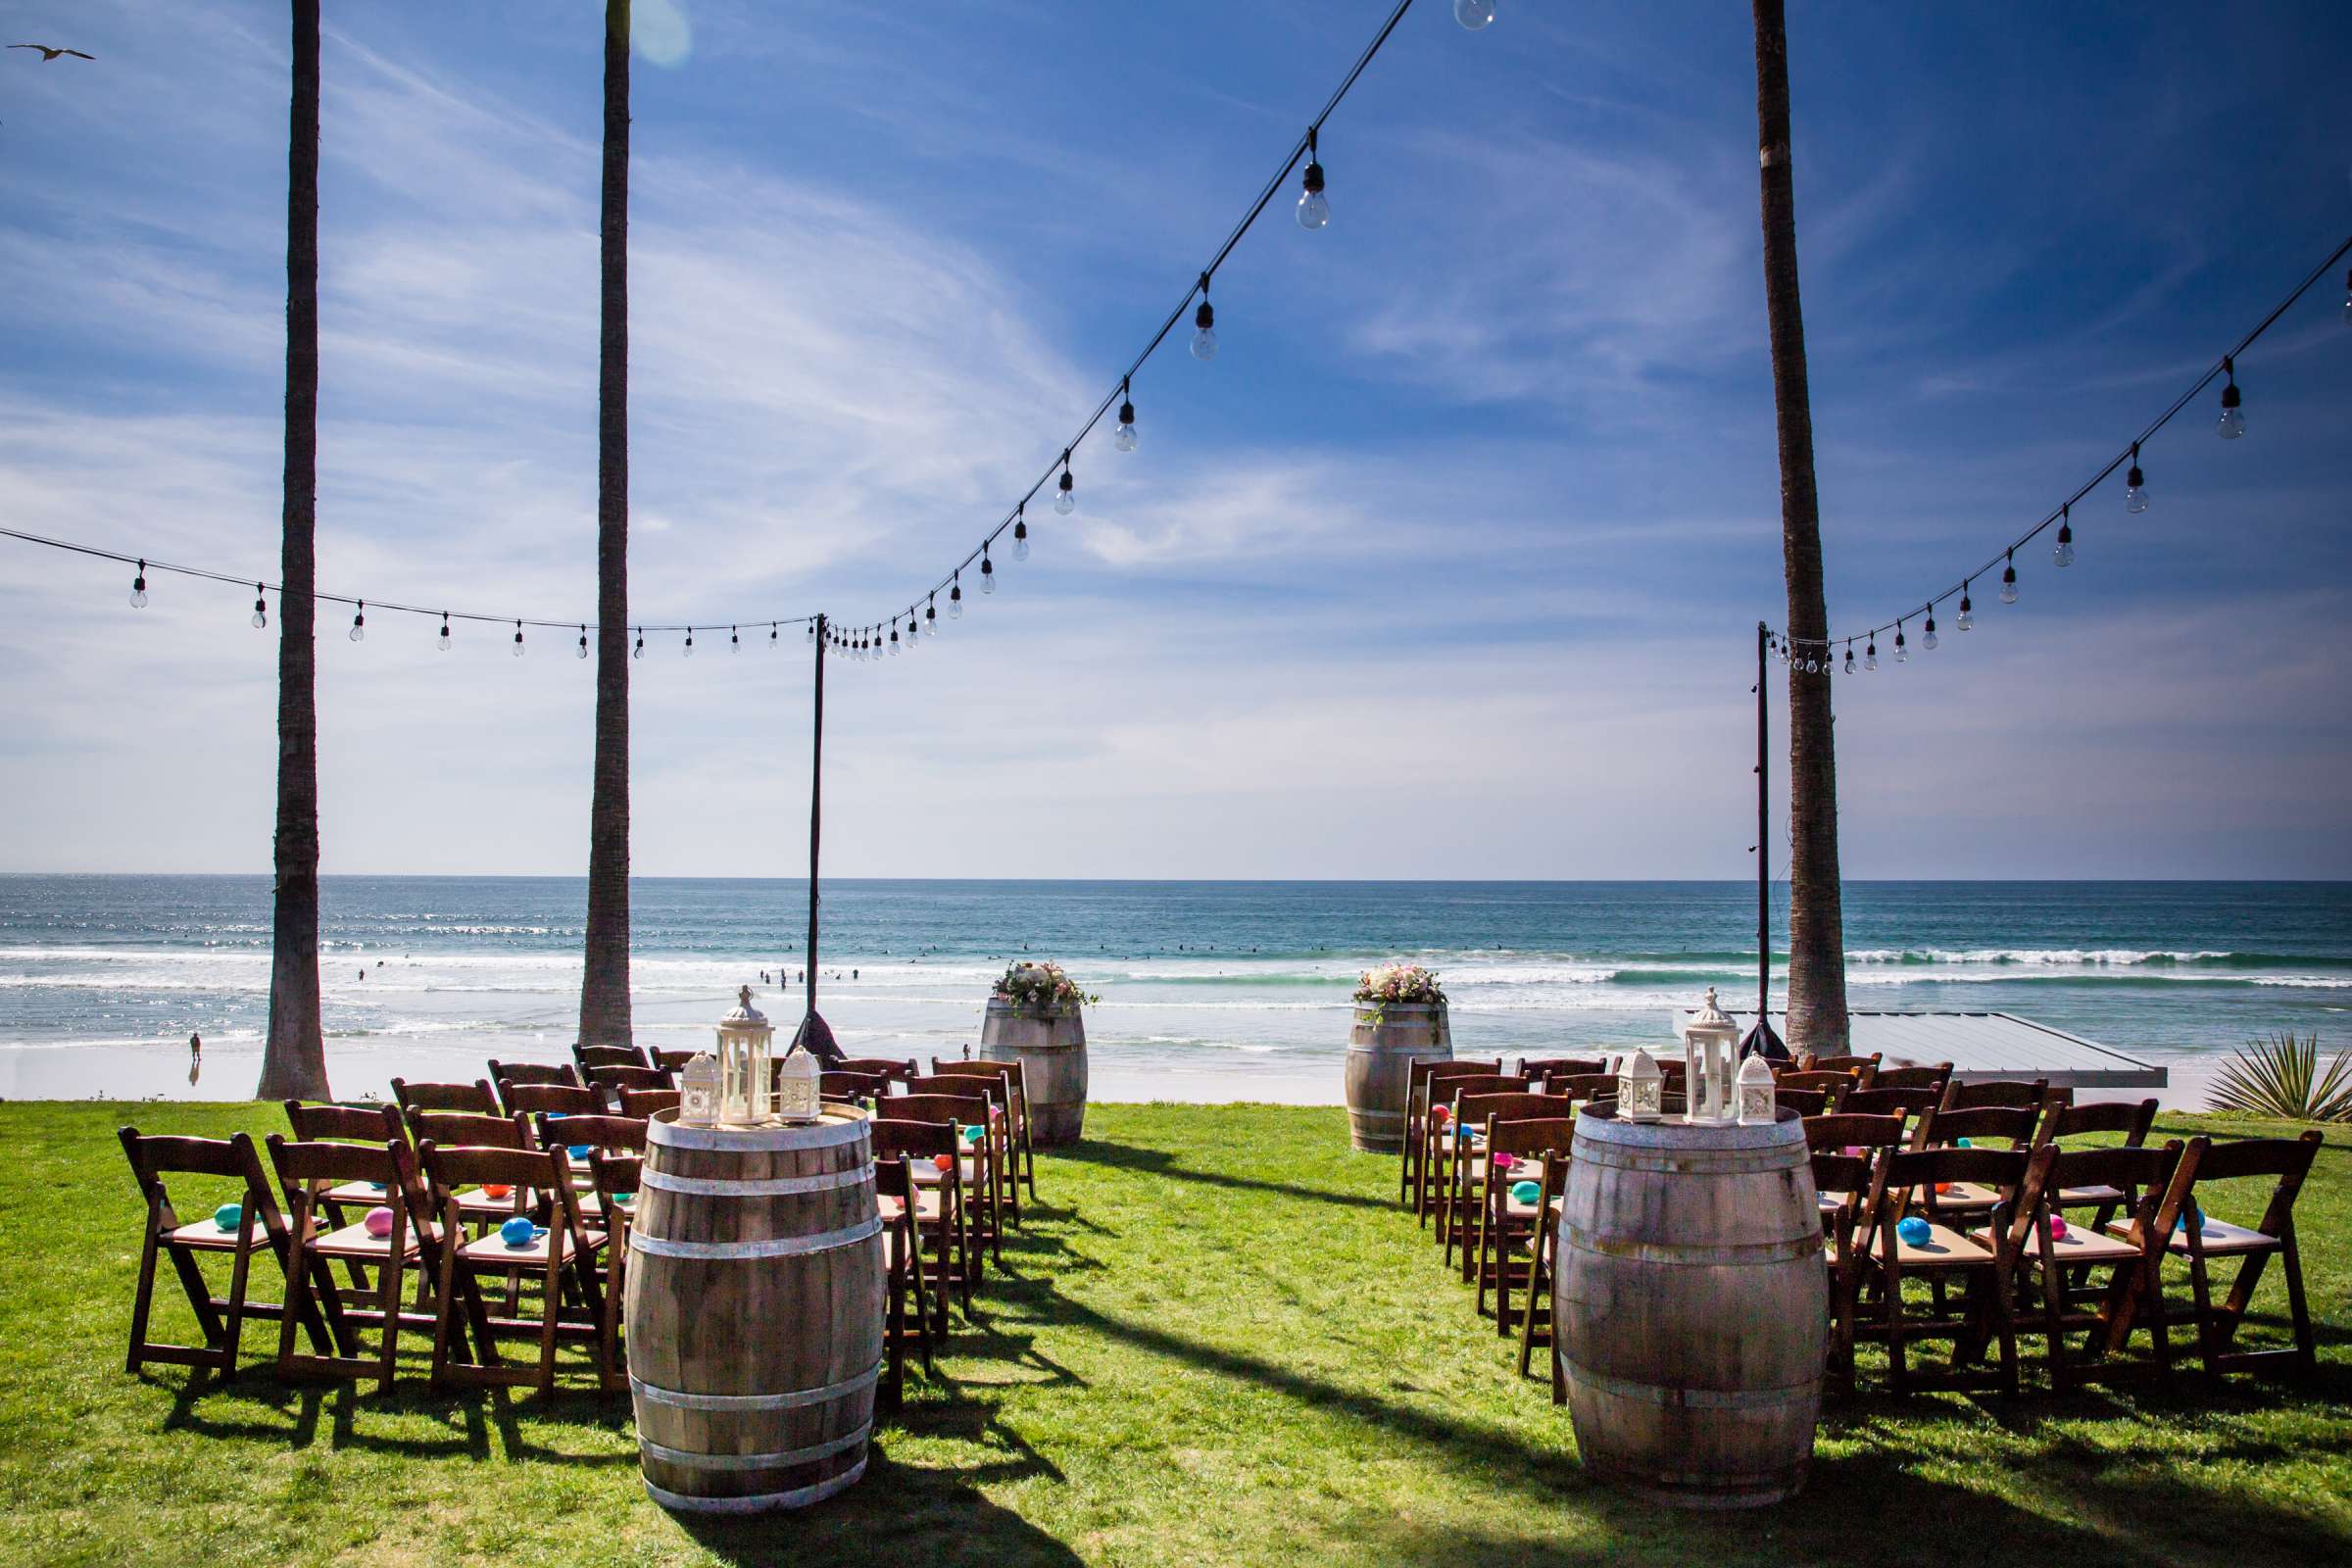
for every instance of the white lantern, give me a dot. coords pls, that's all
(698, 1091)
(746, 1098)
(1757, 1100)
(1710, 1047)
(1641, 1087)
(797, 1084)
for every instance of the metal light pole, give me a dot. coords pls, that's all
(816, 790)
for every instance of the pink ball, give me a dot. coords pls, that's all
(1504, 1161)
(378, 1222)
(2057, 1227)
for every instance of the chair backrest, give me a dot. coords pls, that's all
(365, 1124)
(306, 1166)
(672, 1061)
(1838, 1131)
(568, 1100)
(901, 1136)
(1445, 1091)
(1536, 1069)
(1530, 1136)
(609, 1057)
(1804, 1102)
(476, 1097)
(1936, 1078)
(534, 1072)
(2130, 1119)
(2133, 1168)
(1891, 1101)
(234, 1157)
(961, 1083)
(1008, 1073)
(457, 1129)
(615, 1176)
(645, 1103)
(629, 1078)
(969, 1110)
(1821, 1081)
(1578, 1087)
(1510, 1104)
(540, 1170)
(1425, 1069)
(620, 1133)
(870, 1085)
(2009, 1093)
(1812, 1062)
(879, 1066)
(2007, 1126)
(1903, 1173)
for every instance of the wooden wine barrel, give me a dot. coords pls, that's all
(1692, 1307)
(753, 1307)
(1051, 1049)
(1382, 1048)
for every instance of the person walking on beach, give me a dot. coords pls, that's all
(195, 1046)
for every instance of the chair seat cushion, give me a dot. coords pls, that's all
(2077, 1246)
(1967, 1194)
(353, 1241)
(358, 1193)
(477, 1204)
(2088, 1197)
(206, 1236)
(2219, 1236)
(1946, 1247)
(490, 1248)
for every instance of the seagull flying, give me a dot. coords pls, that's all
(48, 54)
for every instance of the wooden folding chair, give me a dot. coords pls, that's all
(2008, 1094)
(560, 1255)
(477, 1099)
(903, 1258)
(1473, 1117)
(308, 1171)
(942, 1239)
(1981, 1127)
(1812, 1062)
(2129, 1120)
(1507, 1226)
(457, 1129)
(1003, 1129)
(1024, 1146)
(576, 1138)
(564, 1100)
(976, 1161)
(587, 1057)
(867, 1088)
(1435, 1169)
(614, 1179)
(612, 1080)
(1986, 1269)
(260, 1223)
(1534, 1069)
(560, 1074)
(1418, 1073)
(891, 1068)
(643, 1104)
(2132, 1255)
(1841, 1174)
(2197, 1238)
(1534, 1313)
(372, 1123)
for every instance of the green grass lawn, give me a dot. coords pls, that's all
(1218, 1342)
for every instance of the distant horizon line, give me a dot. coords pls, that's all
(1305, 881)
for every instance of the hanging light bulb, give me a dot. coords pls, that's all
(1812, 664)
(138, 586)
(914, 626)
(688, 651)
(2009, 578)
(638, 652)
(261, 607)
(894, 636)
(1849, 656)
(519, 639)
(812, 632)
(2135, 484)
(583, 649)
(1474, 14)
(1967, 619)
(955, 597)
(772, 643)
(1065, 500)
(734, 641)
(1124, 440)
(2064, 555)
(1205, 326)
(1020, 532)
(988, 572)
(1870, 655)
(1314, 210)
(442, 642)
(359, 622)
(2234, 418)
(931, 614)
(1928, 639)
(1902, 655)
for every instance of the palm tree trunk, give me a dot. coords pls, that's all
(294, 1062)
(1817, 1018)
(605, 983)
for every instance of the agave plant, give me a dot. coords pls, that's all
(2281, 1077)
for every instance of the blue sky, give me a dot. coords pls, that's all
(1448, 566)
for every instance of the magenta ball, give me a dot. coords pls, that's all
(378, 1222)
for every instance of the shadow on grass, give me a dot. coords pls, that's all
(1161, 1163)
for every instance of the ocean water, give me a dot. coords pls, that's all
(1209, 991)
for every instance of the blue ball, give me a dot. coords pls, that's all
(1525, 1192)
(1913, 1231)
(228, 1216)
(517, 1232)
(578, 1150)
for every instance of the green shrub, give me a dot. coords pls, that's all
(2281, 1077)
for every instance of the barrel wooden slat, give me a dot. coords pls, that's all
(1692, 1307)
(754, 1312)
(1382, 1049)
(1051, 1049)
